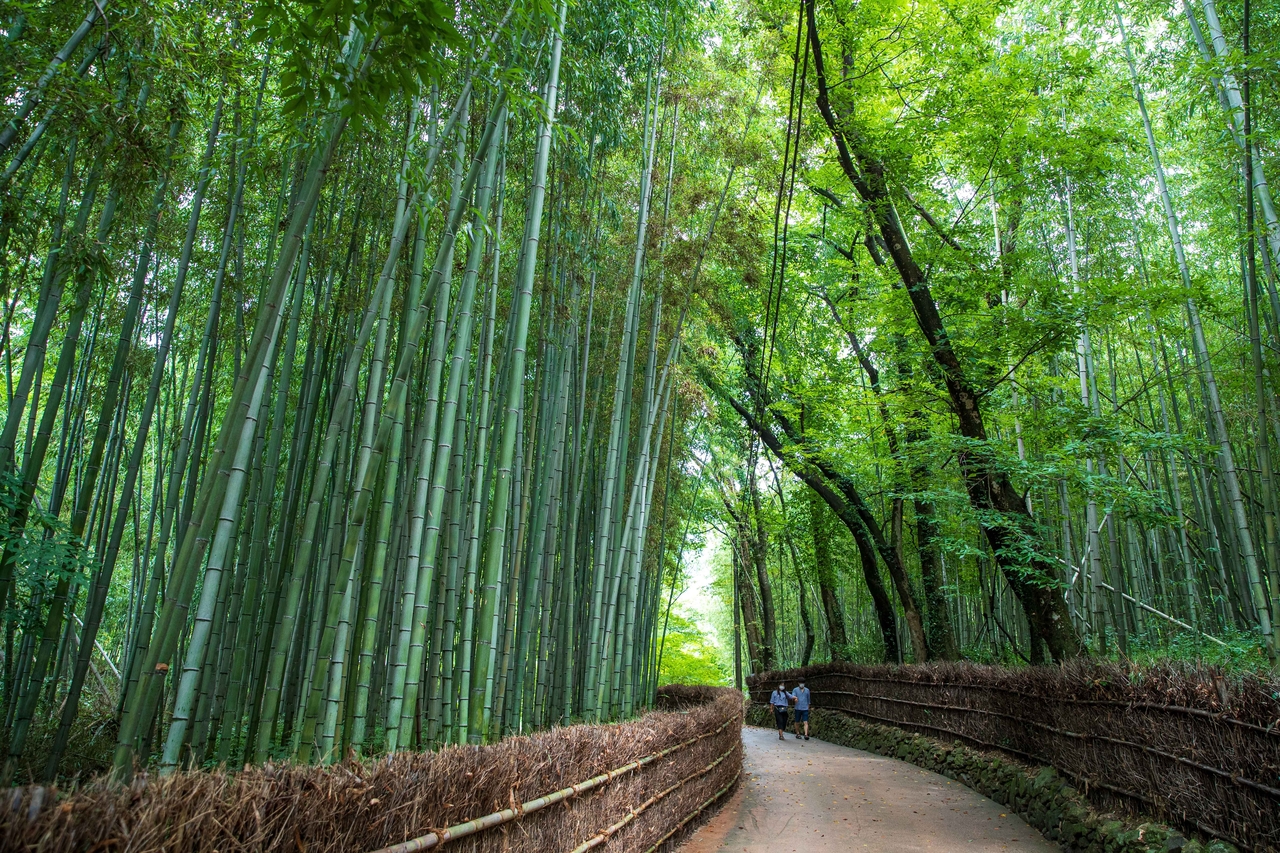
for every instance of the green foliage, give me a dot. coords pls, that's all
(989, 120)
(690, 657)
(326, 42)
(983, 119)
(44, 550)
(1241, 651)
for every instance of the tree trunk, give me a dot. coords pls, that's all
(837, 639)
(836, 499)
(1034, 579)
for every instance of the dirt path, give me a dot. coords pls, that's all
(811, 797)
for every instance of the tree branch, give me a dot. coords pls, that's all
(933, 223)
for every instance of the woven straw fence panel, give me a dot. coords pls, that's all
(1193, 748)
(366, 805)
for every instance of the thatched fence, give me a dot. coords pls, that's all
(633, 785)
(1193, 748)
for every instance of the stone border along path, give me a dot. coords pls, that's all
(812, 797)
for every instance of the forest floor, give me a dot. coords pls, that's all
(811, 797)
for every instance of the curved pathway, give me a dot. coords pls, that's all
(812, 797)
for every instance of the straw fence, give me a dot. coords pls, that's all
(630, 786)
(1193, 748)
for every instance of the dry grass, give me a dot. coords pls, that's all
(1193, 747)
(365, 805)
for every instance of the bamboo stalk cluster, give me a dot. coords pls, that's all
(364, 481)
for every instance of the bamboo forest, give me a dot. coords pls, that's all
(382, 375)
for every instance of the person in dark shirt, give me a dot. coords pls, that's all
(779, 700)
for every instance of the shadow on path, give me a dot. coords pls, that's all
(811, 797)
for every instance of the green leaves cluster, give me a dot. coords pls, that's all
(356, 53)
(689, 657)
(44, 549)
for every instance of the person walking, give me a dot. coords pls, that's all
(803, 703)
(780, 699)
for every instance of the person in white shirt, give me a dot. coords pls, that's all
(803, 703)
(779, 700)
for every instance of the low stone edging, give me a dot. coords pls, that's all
(1040, 796)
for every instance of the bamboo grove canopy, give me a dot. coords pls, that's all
(313, 331)
(370, 366)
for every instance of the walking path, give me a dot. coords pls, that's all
(811, 797)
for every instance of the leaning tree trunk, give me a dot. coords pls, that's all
(835, 498)
(987, 484)
(837, 639)
(936, 620)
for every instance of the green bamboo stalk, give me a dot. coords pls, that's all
(228, 521)
(593, 683)
(485, 660)
(102, 579)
